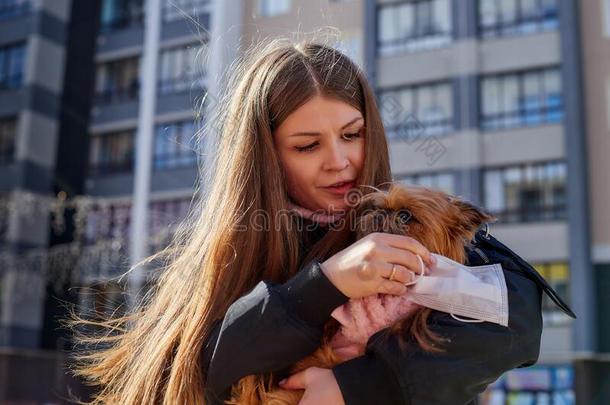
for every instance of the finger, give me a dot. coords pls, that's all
(401, 273)
(400, 257)
(294, 382)
(410, 244)
(392, 287)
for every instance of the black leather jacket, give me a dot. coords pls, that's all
(275, 325)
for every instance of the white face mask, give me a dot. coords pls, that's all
(477, 292)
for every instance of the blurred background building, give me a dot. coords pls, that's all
(504, 102)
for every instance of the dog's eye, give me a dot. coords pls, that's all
(404, 216)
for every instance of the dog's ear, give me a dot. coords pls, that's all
(473, 215)
(372, 202)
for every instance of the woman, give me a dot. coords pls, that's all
(238, 297)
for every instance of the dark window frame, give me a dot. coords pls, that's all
(124, 164)
(125, 19)
(118, 94)
(444, 38)
(554, 212)
(414, 176)
(523, 117)
(169, 11)
(441, 128)
(543, 21)
(14, 80)
(181, 157)
(14, 8)
(8, 144)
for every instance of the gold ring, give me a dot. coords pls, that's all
(391, 278)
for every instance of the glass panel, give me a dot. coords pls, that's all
(490, 96)
(406, 102)
(444, 100)
(423, 19)
(510, 101)
(405, 18)
(512, 179)
(424, 104)
(165, 63)
(553, 96)
(532, 97)
(508, 11)
(386, 24)
(488, 13)
(15, 69)
(529, 9)
(442, 16)
(445, 182)
(494, 191)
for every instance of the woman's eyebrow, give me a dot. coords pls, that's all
(317, 133)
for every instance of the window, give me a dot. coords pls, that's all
(606, 14)
(558, 275)
(521, 99)
(12, 65)
(538, 384)
(270, 8)
(108, 221)
(184, 9)
(516, 17)
(167, 213)
(8, 129)
(108, 298)
(179, 69)
(14, 8)
(350, 44)
(112, 152)
(175, 145)
(532, 192)
(165, 216)
(413, 25)
(117, 81)
(121, 14)
(424, 108)
(441, 181)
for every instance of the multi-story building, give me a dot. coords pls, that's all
(35, 108)
(504, 102)
(485, 99)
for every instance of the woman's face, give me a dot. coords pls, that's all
(319, 144)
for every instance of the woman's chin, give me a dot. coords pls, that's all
(336, 207)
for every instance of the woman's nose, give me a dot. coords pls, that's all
(336, 158)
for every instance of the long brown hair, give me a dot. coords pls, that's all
(152, 354)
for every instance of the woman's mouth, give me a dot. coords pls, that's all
(340, 188)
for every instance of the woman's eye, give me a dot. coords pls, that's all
(354, 135)
(310, 147)
(306, 148)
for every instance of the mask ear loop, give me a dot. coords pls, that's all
(421, 275)
(423, 272)
(467, 320)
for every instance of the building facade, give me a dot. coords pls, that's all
(503, 102)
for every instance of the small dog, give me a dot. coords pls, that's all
(442, 223)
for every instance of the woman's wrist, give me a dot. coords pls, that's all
(312, 295)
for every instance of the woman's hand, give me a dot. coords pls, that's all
(320, 386)
(364, 268)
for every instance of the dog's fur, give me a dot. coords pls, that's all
(442, 223)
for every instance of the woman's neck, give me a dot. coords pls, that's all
(318, 217)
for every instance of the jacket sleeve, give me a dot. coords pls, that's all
(477, 354)
(269, 329)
